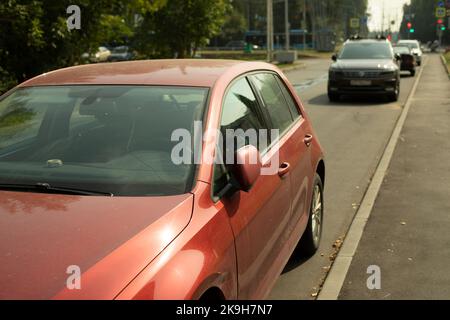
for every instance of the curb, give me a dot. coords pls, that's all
(444, 62)
(336, 277)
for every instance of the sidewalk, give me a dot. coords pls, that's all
(408, 232)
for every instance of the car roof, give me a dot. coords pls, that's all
(367, 41)
(408, 41)
(177, 72)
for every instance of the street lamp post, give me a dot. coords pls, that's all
(269, 30)
(286, 24)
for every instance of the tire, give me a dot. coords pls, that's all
(413, 73)
(419, 63)
(334, 97)
(393, 97)
(310, 241)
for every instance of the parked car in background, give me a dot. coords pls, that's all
(408, 62)
(101, 55)
(365, 66)
(121, 53)
(91, 181)
(414, 45)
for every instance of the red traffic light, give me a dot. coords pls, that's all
(440, 21)
(409, 25)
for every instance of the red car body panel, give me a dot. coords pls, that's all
(167, 247)
(43, 234)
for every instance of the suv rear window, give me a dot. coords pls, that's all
(366, 50)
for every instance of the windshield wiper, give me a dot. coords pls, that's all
(47, 188)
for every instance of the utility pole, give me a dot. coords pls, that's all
(313, 19)
(269, 30)
(286, 24)
(305, 25)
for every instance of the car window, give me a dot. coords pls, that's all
(289, 99)
(366, 51)
(109, 139)
(402, 50)
(411, 45)
(275, 103)
(241, 115)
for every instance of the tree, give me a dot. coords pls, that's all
(182, 26)
(34, 37)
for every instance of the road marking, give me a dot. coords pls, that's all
(336, 277)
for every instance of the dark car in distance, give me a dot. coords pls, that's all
(365, 66)
(408, 61)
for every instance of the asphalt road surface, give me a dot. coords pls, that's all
(354, 134)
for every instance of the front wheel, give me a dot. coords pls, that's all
(393, 97)
(310, 241)
(333, 97)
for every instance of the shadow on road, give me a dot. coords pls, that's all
(406, 75)
(295, 261)
(348, 101)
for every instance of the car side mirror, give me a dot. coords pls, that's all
(334, 57)
(247, 167)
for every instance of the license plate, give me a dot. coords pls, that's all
(360, 83)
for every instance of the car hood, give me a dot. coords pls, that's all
(45, 239)
(368, 64)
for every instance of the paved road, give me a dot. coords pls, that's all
(354, 134)
(407, 234)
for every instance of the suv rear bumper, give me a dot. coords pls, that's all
(377, 86)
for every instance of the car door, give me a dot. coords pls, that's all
(297, 148)
(259, 218)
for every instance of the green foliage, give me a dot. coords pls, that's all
(235, 26)
(114, 29)
(34, 37)
(181, 26)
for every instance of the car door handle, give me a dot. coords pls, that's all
(308, 139)
(284, 169)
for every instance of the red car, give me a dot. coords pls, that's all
(104, 194)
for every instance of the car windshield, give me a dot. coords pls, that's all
(402, 50)
(366, 51)
(111, 139)
(411, 45)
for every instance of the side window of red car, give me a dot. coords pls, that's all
(274, 101)
(240, 111)
(292, 104)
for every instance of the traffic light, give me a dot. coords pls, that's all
(412, 30)
(440, 21)
(409, 25)
(443, 28)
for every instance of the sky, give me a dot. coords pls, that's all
(393, 11)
